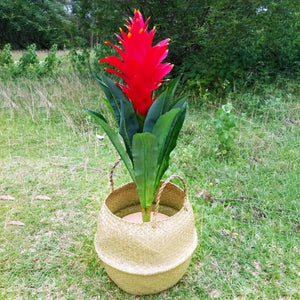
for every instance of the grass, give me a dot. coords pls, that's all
(55, 169)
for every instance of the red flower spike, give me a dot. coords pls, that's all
(139, 64)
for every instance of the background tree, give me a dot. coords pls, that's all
(212, 41)
(246, 39)
(23, 22)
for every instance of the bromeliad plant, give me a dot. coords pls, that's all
(149, 125)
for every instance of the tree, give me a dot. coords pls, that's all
(212, 41)
(23, 22)
(246, 40)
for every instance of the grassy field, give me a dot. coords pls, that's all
(54, 168)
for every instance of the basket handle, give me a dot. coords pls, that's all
(111, 181)
(161, 190)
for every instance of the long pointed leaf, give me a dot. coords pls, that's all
(116, 92)
(110, 109)
(113, 101)
(145, 153)
(161, 130)
(154, 112)
(179, 102)
(171, 142)
(160, 106)
(170, 92)
(114, 138)
(96, 114)
(129, 124)
(113, 87)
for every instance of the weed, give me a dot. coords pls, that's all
(225, 125)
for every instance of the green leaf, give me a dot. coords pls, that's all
(96, 114)
(160, 106)
(116, 92)
(170, 92)
(171, 142)
(109, 107)
(145, 154)
(123, 111)
(154, 112)
(129, 124)
(112, 99)
(114, 138)
(161, 130)
(180, 102)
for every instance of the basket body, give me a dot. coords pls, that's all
(149, 257)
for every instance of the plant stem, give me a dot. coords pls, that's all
(146, 214)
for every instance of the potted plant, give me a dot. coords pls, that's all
(148, 256)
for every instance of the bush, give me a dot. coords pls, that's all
(50, 61)
(241, 42)
(28, 65)
(80, 61)
(27, 61)
(100, 51)
(5, 55)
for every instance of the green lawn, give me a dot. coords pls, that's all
(54, 165)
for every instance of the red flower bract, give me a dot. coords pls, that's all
(139, 64)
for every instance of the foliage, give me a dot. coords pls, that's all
(148, 124)
(212, 42)
(242, 41)
(28, 64)
(24, 22)
(50, 62)
(225, 125)
(80, 61)
(148, 145)
(100, 50)
(5, 55)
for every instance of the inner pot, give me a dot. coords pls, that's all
(171, 201)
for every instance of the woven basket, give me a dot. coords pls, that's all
(146, 258)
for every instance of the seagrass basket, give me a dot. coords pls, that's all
(146, 258)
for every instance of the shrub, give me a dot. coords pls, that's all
(28, 60)
(5, 55)
(50, 62)
(80, 61)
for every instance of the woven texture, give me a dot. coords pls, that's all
(150, 248)
(148, 284)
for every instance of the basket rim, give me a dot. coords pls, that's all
(143, 224)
